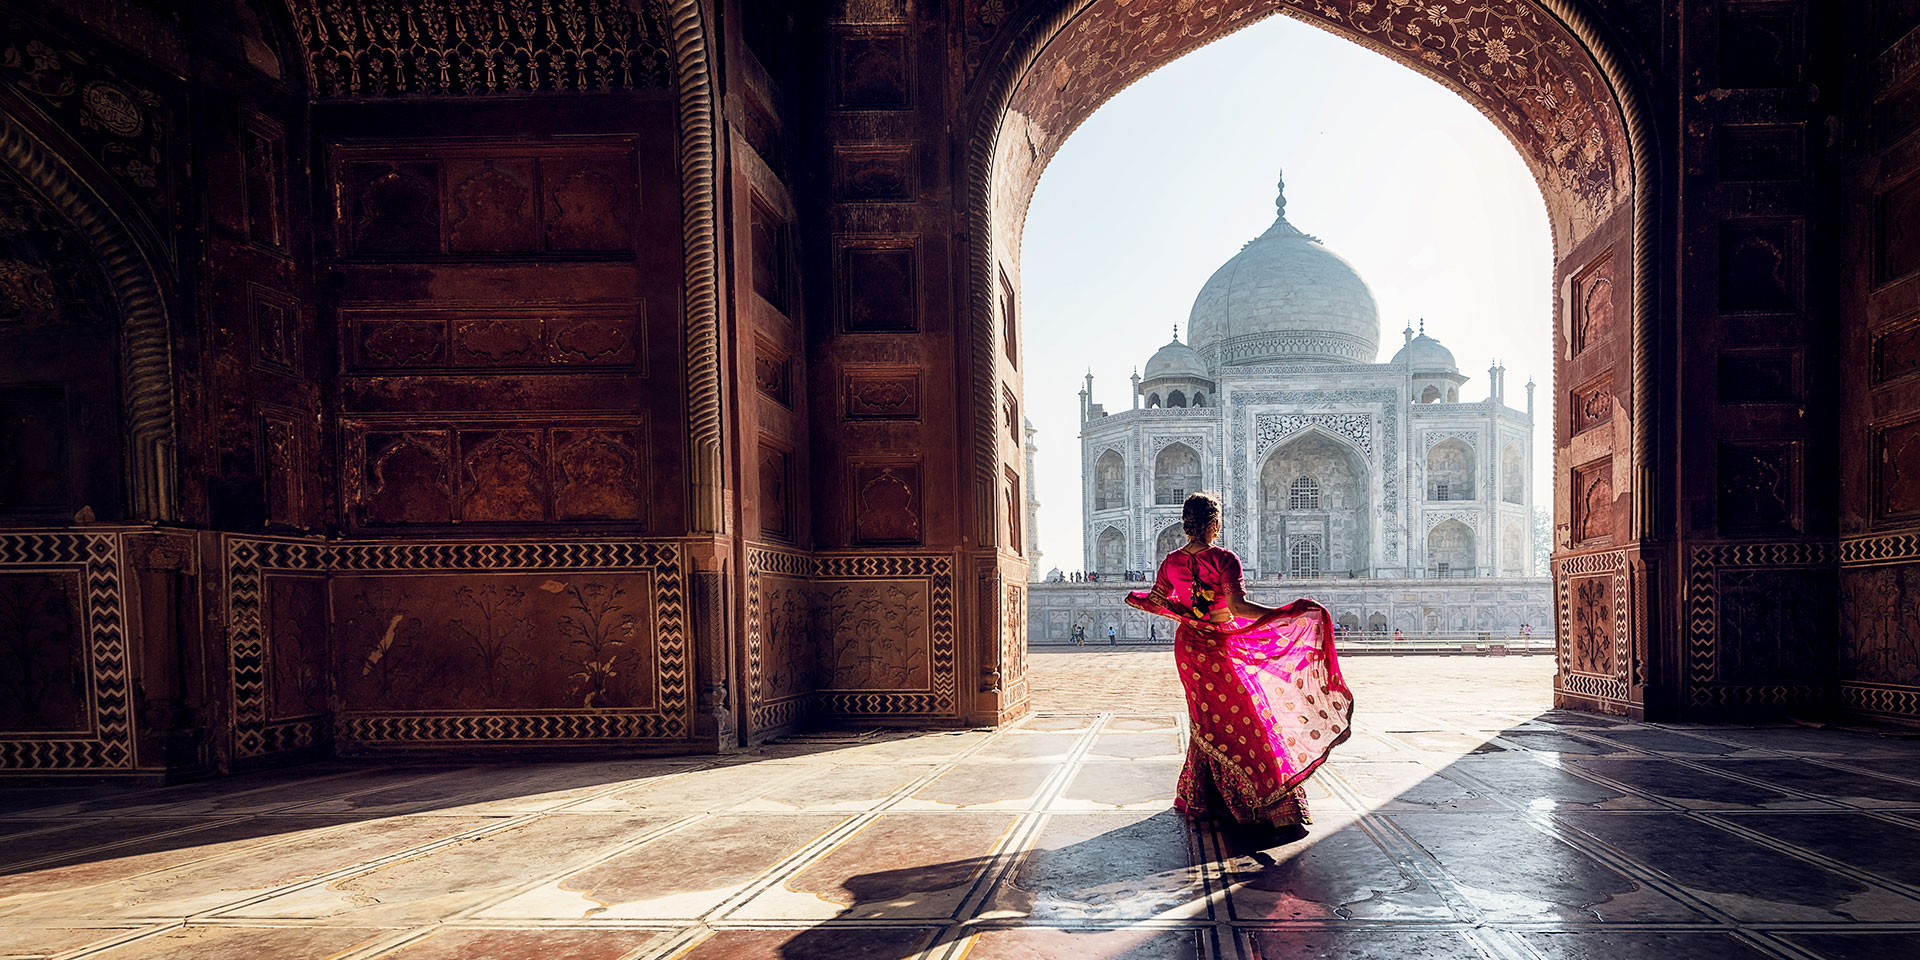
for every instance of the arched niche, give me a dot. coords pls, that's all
(1176, 473)
(122, 370)
(1450, 550)
(1110, 552)
(1430, 395)
(1339, 517)
(1450, 470)
(1513, 474)
(1176, 399)
(1515, 557)
(1172, 538)
(1109, 481)
(1556, 84)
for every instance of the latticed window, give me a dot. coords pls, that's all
(1305, 559)
(1304, 494)
(1440, 490)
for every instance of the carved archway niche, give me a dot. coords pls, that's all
(1538, 69)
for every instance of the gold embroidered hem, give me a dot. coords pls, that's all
(1211, 786)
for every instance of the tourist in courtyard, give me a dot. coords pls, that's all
(1263, 684)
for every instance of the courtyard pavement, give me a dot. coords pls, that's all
(1464, 820)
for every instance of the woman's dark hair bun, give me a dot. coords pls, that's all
(1199, 513)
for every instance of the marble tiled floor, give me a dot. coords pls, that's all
(1464, 820)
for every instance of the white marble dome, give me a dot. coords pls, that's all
(1424, 354)
(1176, 359)
(1285, 297)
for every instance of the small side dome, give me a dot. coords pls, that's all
(1424, 354)
(1176, 359)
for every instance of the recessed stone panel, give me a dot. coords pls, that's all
(1897, 230)
(264, 174)
(589, 203)
(44, 688)
(296, 645)
(886, 502)
(773, 371)
(1760, 376)
(490, 641)
(1759, 266)
(1762, 151)
(392, 207)
(883, 395)
(1773, 626)
(1591, 404)
(1759, 486)
(1896, 352)
(871, 71)
(876, 173)
(1593, 501)
(879, 291)
(492, 206)
(1896, 466)
(1593, 309)
(776, 492)
(1760, 45)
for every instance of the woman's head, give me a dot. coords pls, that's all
(1200, 517)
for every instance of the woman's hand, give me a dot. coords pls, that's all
(1221, 614)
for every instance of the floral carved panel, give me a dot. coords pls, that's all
(564, 639)
(389, 48)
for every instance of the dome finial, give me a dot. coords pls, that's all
(1176, 333)
(1280, 195)
(1423, 326)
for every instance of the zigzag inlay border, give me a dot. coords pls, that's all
(1901, 702)
(1702, 605)
(98, 559)
(1879, 549)
(529, 726)
(943, 642)
(249, 560)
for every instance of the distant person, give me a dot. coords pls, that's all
(1111, 635)
(1246, 762)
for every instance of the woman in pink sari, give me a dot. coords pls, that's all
(1263, 685)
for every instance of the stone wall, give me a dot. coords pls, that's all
(1414, 607)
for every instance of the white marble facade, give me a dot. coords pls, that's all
(1329, 465)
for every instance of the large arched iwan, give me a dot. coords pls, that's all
(1541, 72)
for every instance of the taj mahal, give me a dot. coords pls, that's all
(1333, 466)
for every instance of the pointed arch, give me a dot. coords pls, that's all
(1176, 473)
(145, 327)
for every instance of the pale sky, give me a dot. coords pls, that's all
(1424, 196)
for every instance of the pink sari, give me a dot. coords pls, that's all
(1265, 696)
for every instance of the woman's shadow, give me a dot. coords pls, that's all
(1148, 868)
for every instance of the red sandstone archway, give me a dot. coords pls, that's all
(1541, 73)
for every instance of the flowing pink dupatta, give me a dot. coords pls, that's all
(1265, 696)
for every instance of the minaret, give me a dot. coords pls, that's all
(1034, 570)
(1086, 397)
(1529, 398)
(1136, 388)
(1493, 380)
